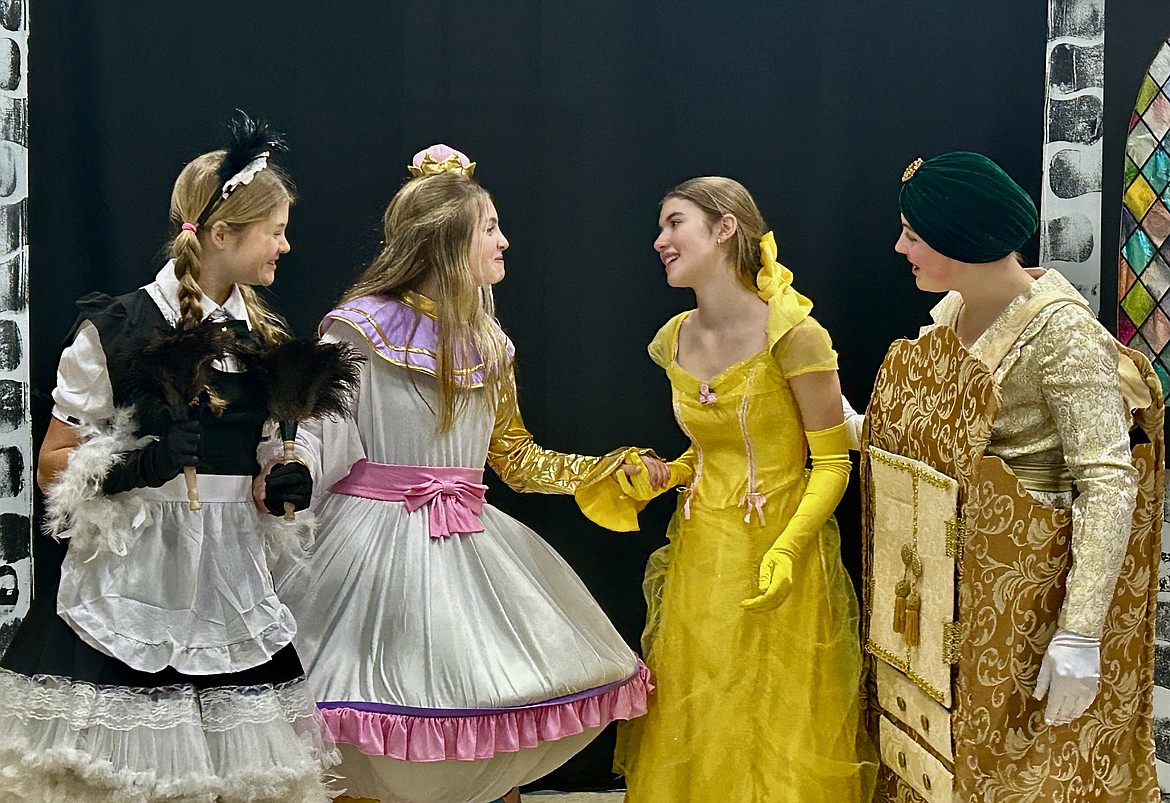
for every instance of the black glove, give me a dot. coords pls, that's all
(157, 462)
(287, 482)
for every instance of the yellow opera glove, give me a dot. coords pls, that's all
(638, 487)
(826, 485)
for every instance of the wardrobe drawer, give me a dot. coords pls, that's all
(903, 700)
(914, 764)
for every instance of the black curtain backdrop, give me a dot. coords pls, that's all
(580, 117)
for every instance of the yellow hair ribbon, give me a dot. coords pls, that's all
(773, 277)
(774, 282)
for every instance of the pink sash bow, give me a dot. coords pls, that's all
(454, 495)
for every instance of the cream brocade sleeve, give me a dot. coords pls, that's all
(1079, 380)
(526, 467)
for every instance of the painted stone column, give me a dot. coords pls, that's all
(15, 427)
(1070, 200)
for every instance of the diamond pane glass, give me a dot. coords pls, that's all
(1125, 327)
(1139, 251)
(1157, 117)
(1140, 143)
(1139, 196)
(1157, 169)
(1138, 303)
(1156, 277)
(1160, 68)
(1157, 223)
(1156, 330)
(1143, 276)
(1126, 276)
(1128, 224)
(1163, 375)
(1131, 171)
(1139, 344)
(1149, 90)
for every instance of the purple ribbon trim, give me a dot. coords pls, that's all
(408, 711)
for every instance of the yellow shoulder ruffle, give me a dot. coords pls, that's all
(661, 348)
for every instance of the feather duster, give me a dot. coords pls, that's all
(306, 379)
(168, 373)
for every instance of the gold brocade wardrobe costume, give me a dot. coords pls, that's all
(954, 439)
(748, 707)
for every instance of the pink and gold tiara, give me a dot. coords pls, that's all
(440, 159)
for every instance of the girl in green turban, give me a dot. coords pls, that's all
(1057, 659)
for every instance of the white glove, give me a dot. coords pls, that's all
(854, 421)
(1070, 674)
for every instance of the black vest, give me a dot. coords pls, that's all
(230, 437)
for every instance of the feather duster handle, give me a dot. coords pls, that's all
(174, 367)
(309, 379)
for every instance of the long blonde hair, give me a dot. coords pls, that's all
(250, 203)
(718, 196)
(428, 229)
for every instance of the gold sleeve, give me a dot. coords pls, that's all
(1081, 386)
(526, 467)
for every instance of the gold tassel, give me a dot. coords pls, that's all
(901, 591)
(913, 605)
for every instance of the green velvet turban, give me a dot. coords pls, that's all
(965, 207)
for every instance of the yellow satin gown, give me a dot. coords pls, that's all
(748, 707)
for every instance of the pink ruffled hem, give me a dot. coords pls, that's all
(469, 738)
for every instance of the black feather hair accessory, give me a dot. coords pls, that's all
(252, 143)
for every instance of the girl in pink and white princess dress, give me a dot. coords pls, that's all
(455, 654)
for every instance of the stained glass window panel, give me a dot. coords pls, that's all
(1143, 276)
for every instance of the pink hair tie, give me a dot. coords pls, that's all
(190, 227)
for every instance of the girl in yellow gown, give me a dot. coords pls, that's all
(752, 627)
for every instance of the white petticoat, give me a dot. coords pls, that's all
(73, 742)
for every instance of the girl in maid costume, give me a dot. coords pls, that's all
(454, 653)
(166, 670)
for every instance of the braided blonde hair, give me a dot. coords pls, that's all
(250, 203)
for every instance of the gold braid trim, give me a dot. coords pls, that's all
(910, 467)
(903, 666)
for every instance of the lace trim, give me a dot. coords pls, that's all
(75, 742)
(71, 776)
(83, 705)
(753, 500)
(689, 491)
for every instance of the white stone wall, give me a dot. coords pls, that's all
(1070, 199)
(16, 568)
